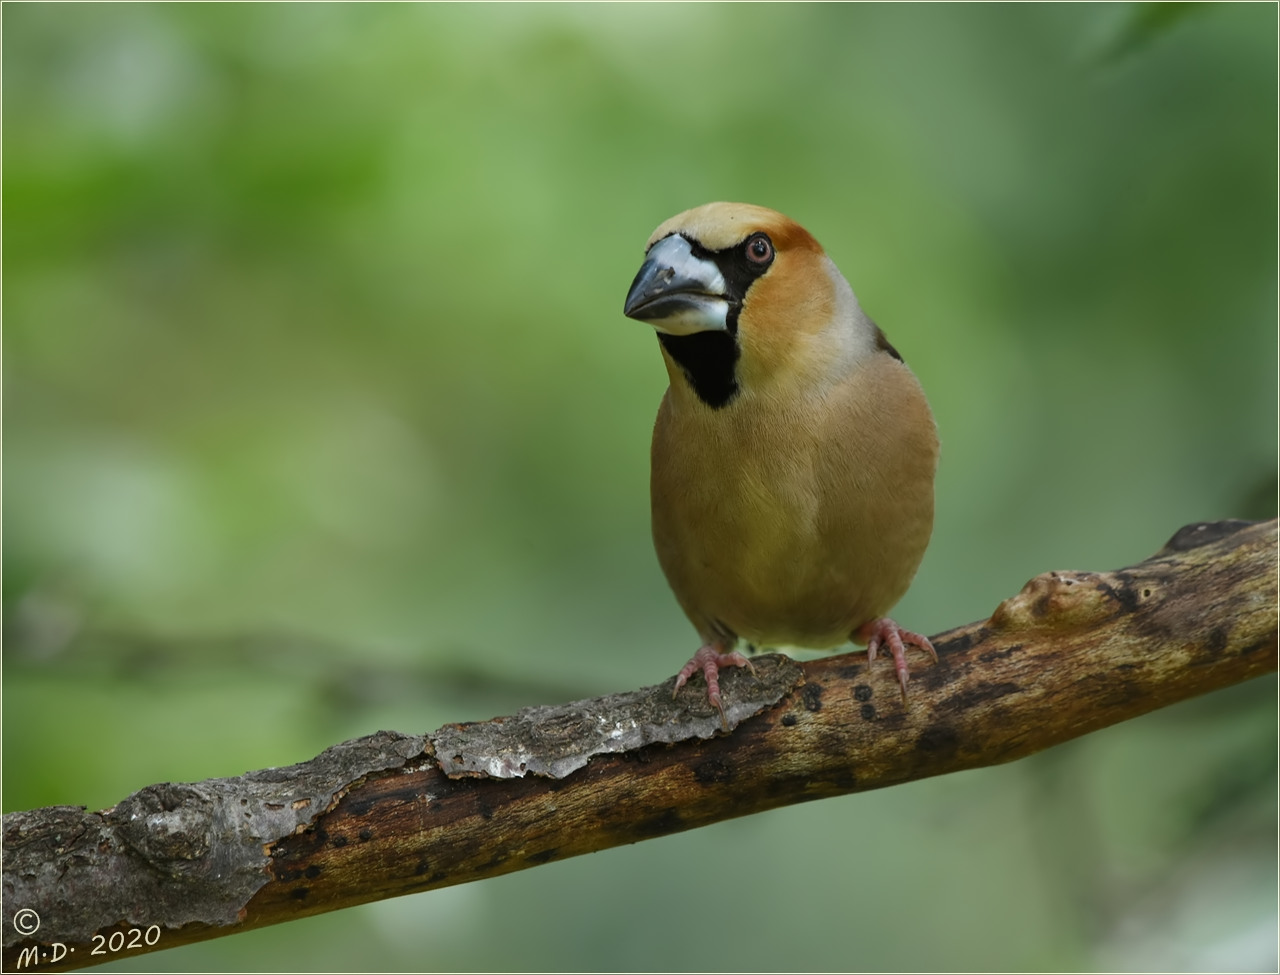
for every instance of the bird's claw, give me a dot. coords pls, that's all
(709, 659)
(884, 632)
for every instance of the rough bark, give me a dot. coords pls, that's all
(393, 814)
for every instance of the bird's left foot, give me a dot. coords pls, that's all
(709, 659)
(884, 632)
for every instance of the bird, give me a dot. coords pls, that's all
(794, 452)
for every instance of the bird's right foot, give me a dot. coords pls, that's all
(709, 659)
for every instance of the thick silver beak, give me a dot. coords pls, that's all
(676, 292)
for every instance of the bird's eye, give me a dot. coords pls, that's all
(759, 250)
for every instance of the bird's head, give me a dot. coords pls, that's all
(744, 298)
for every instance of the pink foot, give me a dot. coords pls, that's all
(709, 660)
(885, 632)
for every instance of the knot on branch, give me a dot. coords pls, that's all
(1056, 601)
(168, 825)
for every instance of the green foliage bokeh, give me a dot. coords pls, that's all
(321, 416)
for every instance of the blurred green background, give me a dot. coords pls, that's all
(321, 416)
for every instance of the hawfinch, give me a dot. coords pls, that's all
(794, 452)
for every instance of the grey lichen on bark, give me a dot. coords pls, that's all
(175, 854)
(557, 740)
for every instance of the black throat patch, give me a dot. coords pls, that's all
(709, 360)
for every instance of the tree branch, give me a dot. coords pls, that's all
(394, 814)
